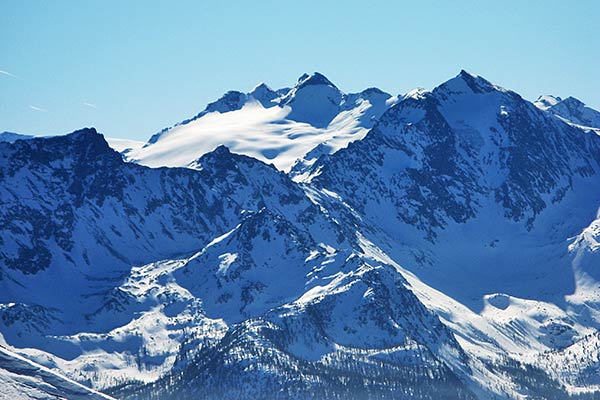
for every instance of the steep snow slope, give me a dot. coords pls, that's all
(269, 126)
(23, 379)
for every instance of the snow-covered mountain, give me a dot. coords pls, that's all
(473, 161)
(252, 246)
(84, 218)
(278, 127)
(570, 109)
(438, 245)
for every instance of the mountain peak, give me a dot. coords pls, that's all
(372, 94)
(223, 156)
(313, 80)
(574, 102)
(476, 83)
(87, 137)
(303, 77)
(219, 153)
(373, 90)
(231, 101)
(544, 102)
(314, 100)
(220, 158)
(261, 85)
(231, 95)
(84, 133)
(261, 88)
(466, 82)
(91, 139)
(221, 150)
(264, 94)
(466, 75)
(84, 149)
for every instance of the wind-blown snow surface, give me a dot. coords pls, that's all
(278, 127)
(449, 252)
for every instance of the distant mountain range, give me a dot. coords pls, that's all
(306, 243)
(571, 110)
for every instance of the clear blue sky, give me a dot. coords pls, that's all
(130, 68)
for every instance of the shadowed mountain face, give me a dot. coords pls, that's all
(78, 182)
(249, 246)
(444, 151)
(439, 245)
(459, 176)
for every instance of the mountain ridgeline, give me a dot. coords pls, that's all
(305, 243)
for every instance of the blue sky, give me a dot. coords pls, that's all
(130, 68)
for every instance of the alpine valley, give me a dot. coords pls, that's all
(305, 243)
